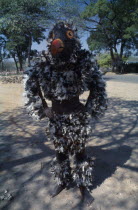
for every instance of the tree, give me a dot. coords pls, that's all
(113, 27)
(69, 10)
(23, 22)
(2, 51)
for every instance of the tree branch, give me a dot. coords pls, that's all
(93, 21)
(89, 28)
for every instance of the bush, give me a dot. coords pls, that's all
(104, 60)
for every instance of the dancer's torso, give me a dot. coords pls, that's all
(63, 88)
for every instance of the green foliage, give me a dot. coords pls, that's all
(22, 17)
(70, 10)
(111, 24)
(104, 60)
(21, 23)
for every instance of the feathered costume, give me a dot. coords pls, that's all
(61, 76)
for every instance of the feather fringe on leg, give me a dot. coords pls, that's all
(83, 173)
(61, 171)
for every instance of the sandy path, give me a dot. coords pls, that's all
(10, 96)
(25, 153)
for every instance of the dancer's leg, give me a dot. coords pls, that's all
(83, 174)
(62, 171)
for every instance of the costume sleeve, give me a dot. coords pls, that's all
(35, 102)
(97, 101)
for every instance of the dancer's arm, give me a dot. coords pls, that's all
(97, 100)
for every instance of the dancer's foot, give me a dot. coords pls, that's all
(86, 196)
(57, 190)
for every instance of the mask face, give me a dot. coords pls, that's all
(64, 41)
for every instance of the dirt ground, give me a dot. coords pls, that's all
(25, 154)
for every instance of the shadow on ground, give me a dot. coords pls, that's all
(26, 154)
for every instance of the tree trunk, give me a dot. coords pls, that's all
(112, 54)
(115, 49)
(119, 60)
(20, 62)
(19, 55)
(2, 65)
(15, 61)
(122, 49)
(20, 59)
(113, 59)
(117, 63)
(29, 49)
